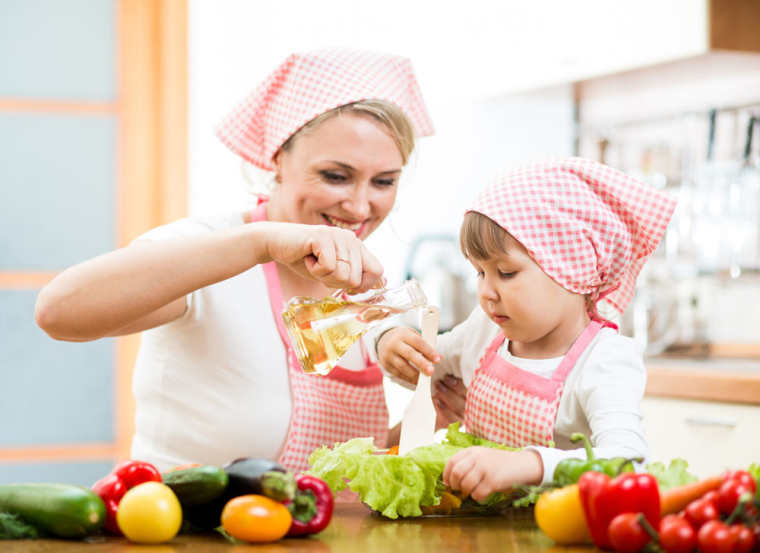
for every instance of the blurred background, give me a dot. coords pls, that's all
(107, 112)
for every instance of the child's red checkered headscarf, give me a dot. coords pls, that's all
(309, 84)
(589, 227)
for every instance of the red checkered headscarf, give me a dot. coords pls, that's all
(589, 227)
(307, 85)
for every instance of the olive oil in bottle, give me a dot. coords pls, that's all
(323, 330)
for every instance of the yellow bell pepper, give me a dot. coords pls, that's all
(559, 515)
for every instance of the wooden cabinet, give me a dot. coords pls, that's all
(711, 436)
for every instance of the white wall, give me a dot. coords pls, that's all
(461, 59)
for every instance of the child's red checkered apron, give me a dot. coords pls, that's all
(514, 407)
(344, 404)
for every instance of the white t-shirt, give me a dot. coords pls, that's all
(212, 385)
(601, 397)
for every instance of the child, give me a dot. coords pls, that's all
(548, 242)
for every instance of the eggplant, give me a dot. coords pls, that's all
(260, 477)
(246, 476)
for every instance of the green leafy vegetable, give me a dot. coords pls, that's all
(456, 437)
(754, 470)
(394, 485)
(675, 474)
(13, 527)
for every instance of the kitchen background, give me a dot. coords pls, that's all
(107, 110)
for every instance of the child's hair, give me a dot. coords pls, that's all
(481, 238)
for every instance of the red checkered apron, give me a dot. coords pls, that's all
(328, 409)
(514, 407)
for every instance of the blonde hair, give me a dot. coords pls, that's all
(388, 114)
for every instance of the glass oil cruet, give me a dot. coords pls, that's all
(323, 330)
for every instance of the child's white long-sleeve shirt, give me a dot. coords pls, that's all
(601, 397)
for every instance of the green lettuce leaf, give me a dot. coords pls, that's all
(754, 470)
(394, 485)
(341, 463)
(456, 437)
(675, 474)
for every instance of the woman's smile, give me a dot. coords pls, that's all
(355, 227)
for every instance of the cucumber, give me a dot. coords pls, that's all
(197, 485)
(62, 510)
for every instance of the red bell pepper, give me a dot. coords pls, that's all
(312, 506)
(604, 498)
(112, 488)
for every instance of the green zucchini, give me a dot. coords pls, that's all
(196, 485)
(62, 510)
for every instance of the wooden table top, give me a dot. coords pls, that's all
(353, 529)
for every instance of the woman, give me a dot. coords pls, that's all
(216, 377)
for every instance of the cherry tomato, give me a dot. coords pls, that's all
(256, 518)
(677, 535)
(742, 476)
(715, 537)
(149, 513)
(712, 495)
(745, 538)
(756, 532)
(729, 493)
(626, 534)
(701, 511)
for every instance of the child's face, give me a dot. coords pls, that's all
(530, 307)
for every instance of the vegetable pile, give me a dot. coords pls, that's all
(664, 510)
(250, 500)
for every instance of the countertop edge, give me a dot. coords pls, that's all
(730, 387)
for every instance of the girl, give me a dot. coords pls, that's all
(548, 242)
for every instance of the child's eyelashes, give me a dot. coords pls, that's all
(502, 274)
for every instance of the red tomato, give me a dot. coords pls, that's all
(729, 493)
(712, 495)
(742, 476)
(745, 538)
(677, 535)
(701, 511)
(715, 537)
(626, 534)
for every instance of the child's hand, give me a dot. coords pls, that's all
(403, 353)
(449, 396)
(480, 471)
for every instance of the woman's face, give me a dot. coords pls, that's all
(343, 173)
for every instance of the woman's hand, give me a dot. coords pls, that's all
(449, 397)
(403, 353)
(331, 255)
(480, 471)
